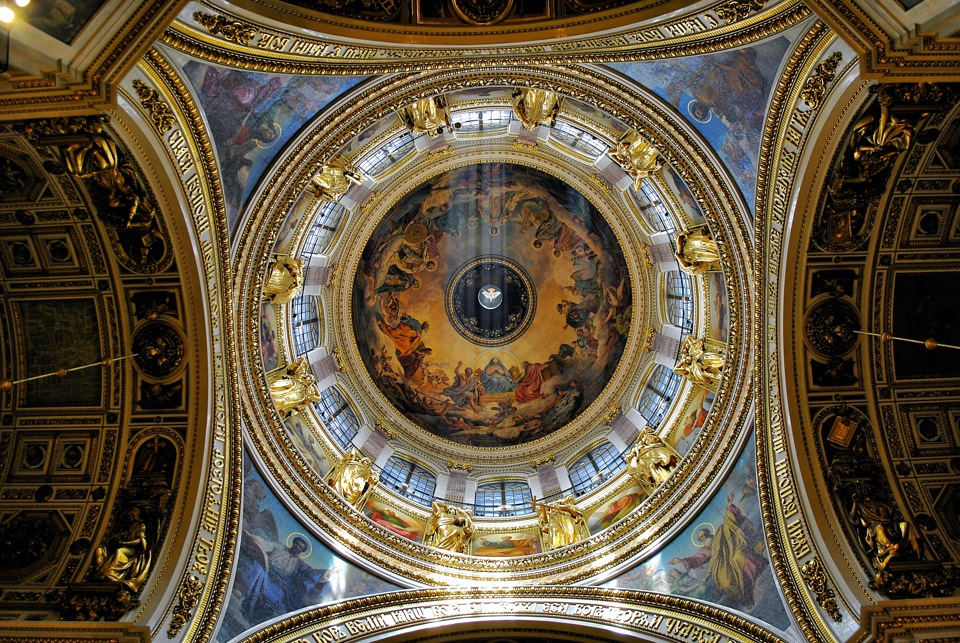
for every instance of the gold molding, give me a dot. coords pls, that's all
(287, 52)
(641, 614)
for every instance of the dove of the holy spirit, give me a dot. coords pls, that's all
(490, 297)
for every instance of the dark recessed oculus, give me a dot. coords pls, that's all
(490, 301)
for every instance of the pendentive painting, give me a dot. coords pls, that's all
(492, 305)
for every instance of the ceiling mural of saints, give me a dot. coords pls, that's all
(492, 304)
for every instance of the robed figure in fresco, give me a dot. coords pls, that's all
(278, 580)
(732, 562)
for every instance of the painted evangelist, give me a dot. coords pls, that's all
(492, 304)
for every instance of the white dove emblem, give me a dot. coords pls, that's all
(490, 297)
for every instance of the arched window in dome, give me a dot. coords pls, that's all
(680, 301)
(337, 416)
(653, 208)
(660, 390)
(384, 157)
(324, 226)
(578, 139)
(482, 120)
(305, 320)
(503, 498)
(594, 467)
(409, 479)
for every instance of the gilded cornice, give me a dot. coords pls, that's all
(91, 89)
(211, 547)
(914, 56)
(661, 515)
(641, 614)
(785, 525)
(287, 51)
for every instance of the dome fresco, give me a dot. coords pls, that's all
(492, 304)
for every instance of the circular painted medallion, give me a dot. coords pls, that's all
(492, 304)
(491, 301)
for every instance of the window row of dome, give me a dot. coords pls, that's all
(330, 214)
(503, 497)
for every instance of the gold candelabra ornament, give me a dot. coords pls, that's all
(61, 372)
(930, 343)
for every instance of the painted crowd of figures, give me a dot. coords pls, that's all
(520, 391)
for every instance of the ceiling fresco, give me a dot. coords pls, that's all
(251, 117)
(491, 304)
(724, 96)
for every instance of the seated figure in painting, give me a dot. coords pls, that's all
(495, 377)
(450, 528)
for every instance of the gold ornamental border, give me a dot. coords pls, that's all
(787, 134)
(662, 514)
(600, 613)
(208, 550)
(287, 50)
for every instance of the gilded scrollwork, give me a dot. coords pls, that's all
(733, 11)
(187, 598)
(160, 112)
(815, 87)
(817, 580)
(232, 30)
